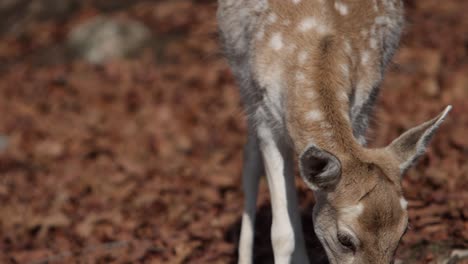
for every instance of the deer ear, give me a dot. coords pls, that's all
(320, 169)
(413, 143)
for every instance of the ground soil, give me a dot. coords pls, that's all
(138, 161)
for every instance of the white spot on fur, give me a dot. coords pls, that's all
(276, 41)
(343, 96)
(344, 70)
(272, 18)
(365, 57)
(373, 43)
(300, 77)
(296, 1)
(328, 134)
(302, 57)
(325, 126)
(345, 115)
(403, 203)
(351, 213)
(309, 23)
(314, 115)
(348, 48)
(341, 8)
(376, 7)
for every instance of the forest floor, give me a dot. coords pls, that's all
(139, 161)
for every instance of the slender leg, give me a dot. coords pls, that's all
(252, 169)
(286, 230)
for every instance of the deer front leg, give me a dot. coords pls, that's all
(252, 169)
(286, 230)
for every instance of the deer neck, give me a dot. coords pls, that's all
(317, 103)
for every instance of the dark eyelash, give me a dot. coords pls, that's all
(346, 241)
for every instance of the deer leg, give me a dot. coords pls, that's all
(252, 169)
(286, 230)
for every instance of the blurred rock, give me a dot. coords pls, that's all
(39, 8)
(102, 39)
(459, 83)
(49, 148)
(18, 15)
(428, 5)
(106, 5)
(459, 138)
(437, 177)
(457, 256)
(4, 142)
(7, 4)
(420, 61)
(430, 87)
(52, 8)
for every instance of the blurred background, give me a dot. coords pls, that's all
(121, 134)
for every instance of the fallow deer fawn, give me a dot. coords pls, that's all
(309, 72)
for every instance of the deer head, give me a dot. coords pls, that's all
(361, 214)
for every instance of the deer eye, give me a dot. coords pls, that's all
(346, 241)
